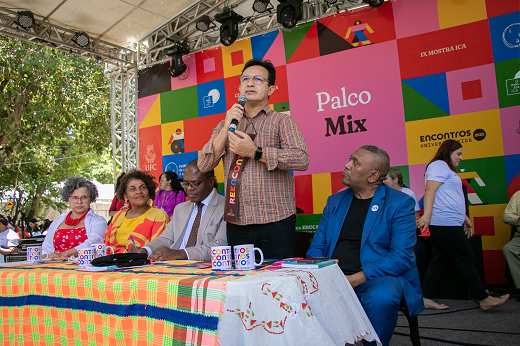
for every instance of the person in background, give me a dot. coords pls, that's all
(34, 229)
(117, 204)
(169, 194)
(78, 228)
(141, 223)
(394, 179)
(8, 239)
(511, 250)
(450, 227)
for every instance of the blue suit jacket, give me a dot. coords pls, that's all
(387, 240)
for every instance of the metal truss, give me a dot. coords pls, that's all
(182, 27)
(47, 34)
(124, 123)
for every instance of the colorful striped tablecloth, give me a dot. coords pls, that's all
(55, 304)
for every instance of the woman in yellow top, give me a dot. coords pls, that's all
(141, 222)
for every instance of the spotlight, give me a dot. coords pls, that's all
(374, 3)
(203, 23)
(178, 66)
(289, 12)
(81, 39)
(261, 6)
(229, 28)
(25, 19)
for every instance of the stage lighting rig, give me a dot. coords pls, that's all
(176, 52)
(25, 19)
(229, 28)
(289, 12)
(81, 39)
(204, 23)
(261, 6)
(374, 3)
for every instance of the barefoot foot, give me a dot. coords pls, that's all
(430, 304)
(493, 302)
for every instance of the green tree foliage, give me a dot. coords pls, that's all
(54, 122)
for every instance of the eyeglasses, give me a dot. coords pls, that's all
(163, 179)
(256, 79)
(194, 185)
(76, 199)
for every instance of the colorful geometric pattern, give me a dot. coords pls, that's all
(59, 302)
(405, 76)
(55, 304)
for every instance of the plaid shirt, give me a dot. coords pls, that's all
(267, 190)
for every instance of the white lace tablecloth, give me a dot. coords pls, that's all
(293, 307)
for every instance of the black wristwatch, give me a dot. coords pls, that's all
(258, 153)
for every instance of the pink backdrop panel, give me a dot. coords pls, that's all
(417, 183)
(143, 106)
(367, 99)
(486, 75)
(412, 17)
(277, 51)
(510, 120)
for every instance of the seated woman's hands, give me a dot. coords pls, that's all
(55, 256)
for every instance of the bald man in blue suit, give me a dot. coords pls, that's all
(370, 228)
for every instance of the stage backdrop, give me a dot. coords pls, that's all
(404, 76)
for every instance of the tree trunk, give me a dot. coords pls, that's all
(35, 203)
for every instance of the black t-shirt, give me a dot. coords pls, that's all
(349, 242)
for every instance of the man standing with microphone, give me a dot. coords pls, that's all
(258, 156)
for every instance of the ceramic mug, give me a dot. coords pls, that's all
(85, 257)
(100, 250)
(34, 254)
(245, 257)
(221, 258)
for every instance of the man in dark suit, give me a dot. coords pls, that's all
(370, 228)
(196, 226)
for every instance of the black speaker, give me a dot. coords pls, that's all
(451, 285)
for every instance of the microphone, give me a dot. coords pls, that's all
(242, 99)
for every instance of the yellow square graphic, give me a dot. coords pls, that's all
(242, 45)
(453, 13)
(480, 134)
(172, 135)
(321, 190)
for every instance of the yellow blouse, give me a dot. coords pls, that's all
(124, 231)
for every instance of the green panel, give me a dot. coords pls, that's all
(418, 107)
(505, 73)
(492, 171)
(220, 187)
(293, 37)
(307, 223)
(406, 174)
(281, 107)
(179, 105)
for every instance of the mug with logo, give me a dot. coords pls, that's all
(221, 258)
(85, 257)
(100, 250)
(245, 257)
(34, 254)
